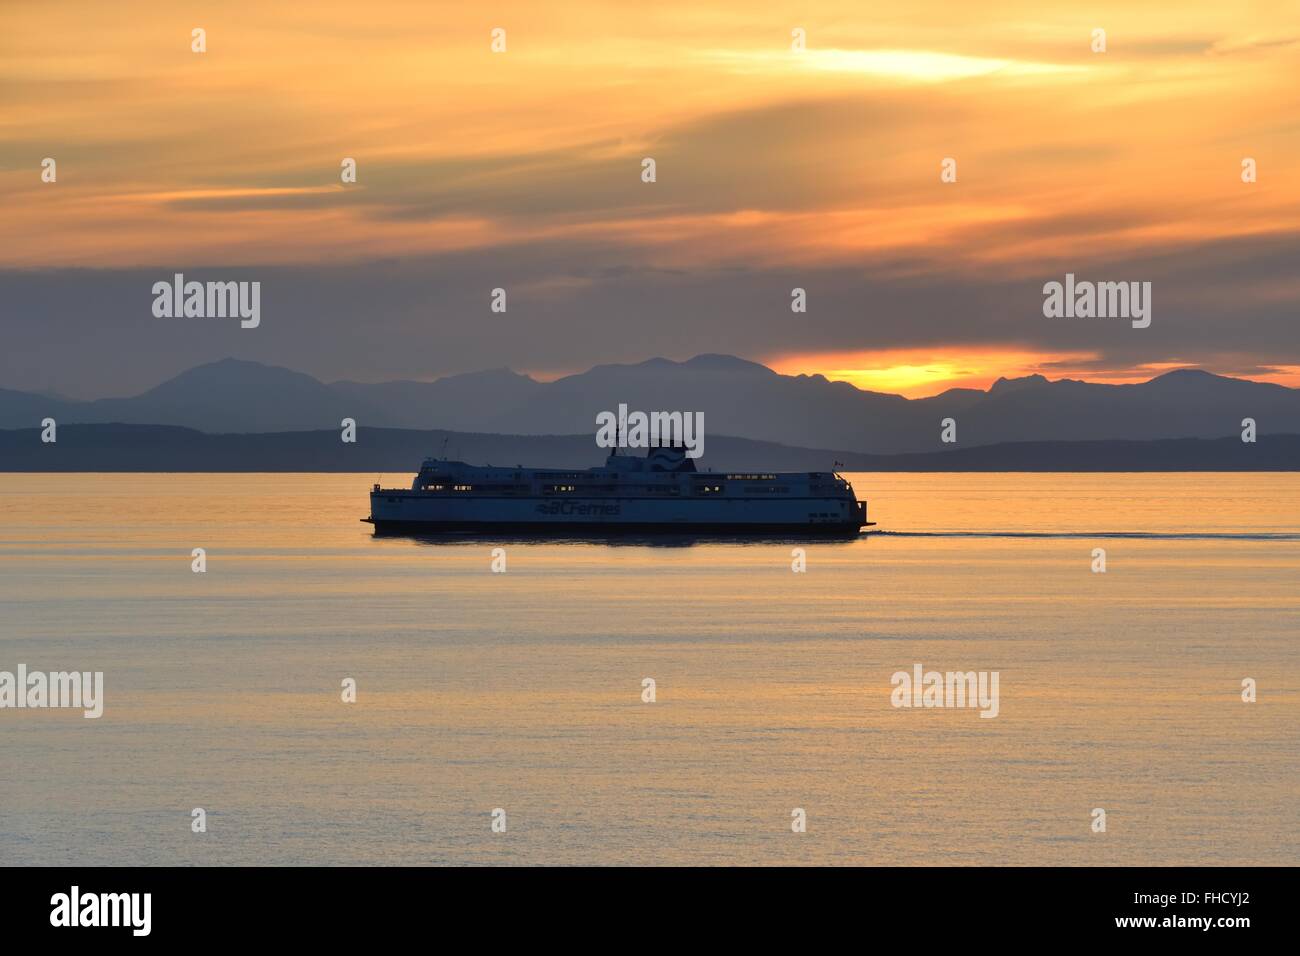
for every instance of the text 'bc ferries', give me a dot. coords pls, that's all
(660, 493)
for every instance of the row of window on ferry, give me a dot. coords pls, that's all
(700, 488)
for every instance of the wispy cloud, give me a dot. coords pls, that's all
(913, 66)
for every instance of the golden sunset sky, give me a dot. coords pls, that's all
(769, 159)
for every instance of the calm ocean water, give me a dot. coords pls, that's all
(523, 690)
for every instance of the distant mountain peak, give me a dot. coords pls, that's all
(708, 361)
(488, 374)
(1196, 381)
(1187, 374)
(1005, 386)
(238, 372)
(230, 363)
(725, 363)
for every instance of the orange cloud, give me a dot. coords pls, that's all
(767, 155)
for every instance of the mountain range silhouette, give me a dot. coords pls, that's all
(739, 398)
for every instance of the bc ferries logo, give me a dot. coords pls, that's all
(654, 430)
(578, 508)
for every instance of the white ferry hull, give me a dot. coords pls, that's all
(394, 511)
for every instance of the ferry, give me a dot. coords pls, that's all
(660, 493)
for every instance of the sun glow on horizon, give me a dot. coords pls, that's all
(920, 374)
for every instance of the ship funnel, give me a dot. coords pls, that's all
(669, 459)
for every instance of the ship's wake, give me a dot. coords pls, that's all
(1141, 535)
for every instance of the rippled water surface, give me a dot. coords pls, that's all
(523, 690)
